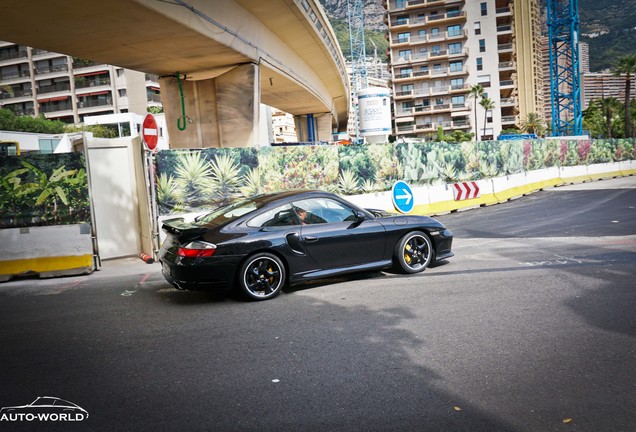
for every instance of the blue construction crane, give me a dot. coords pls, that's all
(359, 76)
(565, 79)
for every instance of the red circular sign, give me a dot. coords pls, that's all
(150, 131)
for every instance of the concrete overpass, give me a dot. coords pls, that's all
(230, 56)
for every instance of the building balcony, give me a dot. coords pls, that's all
(503, 11)
(15, 77)
(9, 56)
(507, 102)
(504, 29)
(424, 127)
(82, 84)
(406, 128)
(40, 54)
(406, 94)
(59, 87)
(56, 106)
(58, 70)
(506, 66)
(15, 94)
(509, 120)
(447, 18)
(504, 48)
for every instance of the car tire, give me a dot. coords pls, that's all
(413, 253)
(262, 276)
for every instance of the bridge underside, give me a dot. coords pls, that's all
(289, 66)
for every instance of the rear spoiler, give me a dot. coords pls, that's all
(184, 231)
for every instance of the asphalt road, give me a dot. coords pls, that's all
(530, 327)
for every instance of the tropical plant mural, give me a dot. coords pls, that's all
(191, 180)
(49, 189)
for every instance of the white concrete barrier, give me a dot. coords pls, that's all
(509, 187)
(627, 168)
(574, 174)
(47, 251)
(604, 170)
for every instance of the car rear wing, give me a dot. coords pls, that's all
(184, 231)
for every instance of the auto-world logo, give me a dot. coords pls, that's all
(44, 409)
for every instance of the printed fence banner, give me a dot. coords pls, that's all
(197, 180)
(43, 189)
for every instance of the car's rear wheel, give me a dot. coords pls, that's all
(262, 276)
(414, 252)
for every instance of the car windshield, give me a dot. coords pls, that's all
(230, 212)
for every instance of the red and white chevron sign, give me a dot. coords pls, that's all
(465, 190)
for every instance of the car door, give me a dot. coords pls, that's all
(334, 237)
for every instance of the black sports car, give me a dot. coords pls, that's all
(262, 243)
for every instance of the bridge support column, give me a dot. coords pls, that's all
(313, 127)
(220, 112)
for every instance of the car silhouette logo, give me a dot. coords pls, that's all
(44, 408)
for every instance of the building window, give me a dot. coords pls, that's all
(457, 83)
(480, 64)
(477, 28)
(484, 9)
(455, 48)
(405, 54)
(407, 87)
(456, 66)
(404, 37)
(406, 72)
(402, 19)
(454, 30)
(458, 100)
(482, 45)
(434, 32)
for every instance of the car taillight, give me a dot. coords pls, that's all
(197, 249)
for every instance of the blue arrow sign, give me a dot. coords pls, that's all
(402, 197)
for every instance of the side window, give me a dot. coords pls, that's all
(324, 210)
(279, 216)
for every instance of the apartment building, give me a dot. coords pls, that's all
(439, 49)
(60, 87)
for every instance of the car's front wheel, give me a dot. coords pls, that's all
(262, 276)
(414, 252)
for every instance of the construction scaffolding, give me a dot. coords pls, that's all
(565, 80)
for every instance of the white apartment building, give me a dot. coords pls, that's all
(439, 49)
(60, 87)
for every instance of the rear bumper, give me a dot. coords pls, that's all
(214, 274)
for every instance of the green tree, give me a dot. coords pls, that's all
(626, 65)
(10, 122)
(476, 92)
(533, 124)
(487, 104)
(611, 113)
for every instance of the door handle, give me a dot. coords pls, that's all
(310, 239)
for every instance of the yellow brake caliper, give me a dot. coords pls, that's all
(407, 256)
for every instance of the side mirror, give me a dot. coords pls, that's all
(360, 216)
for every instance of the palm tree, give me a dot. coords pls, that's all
(487, 104)
(611, 108)
(533, 124)
(476, 92)
(626, 65)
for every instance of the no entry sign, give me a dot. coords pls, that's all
(150, 132)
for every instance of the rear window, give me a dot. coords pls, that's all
(229, 213)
